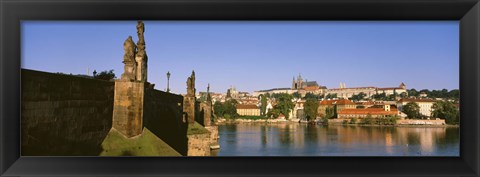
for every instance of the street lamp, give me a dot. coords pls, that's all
(168, 81)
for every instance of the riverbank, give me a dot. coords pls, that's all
(333, 123)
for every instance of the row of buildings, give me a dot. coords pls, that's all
(249, 104)
(298, 85)
(344, 108)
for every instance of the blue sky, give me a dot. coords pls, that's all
(255, 55)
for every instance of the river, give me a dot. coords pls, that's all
(293, 139)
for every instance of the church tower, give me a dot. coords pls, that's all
(299, 81)
(294, 85)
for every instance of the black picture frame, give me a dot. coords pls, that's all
(13, 12)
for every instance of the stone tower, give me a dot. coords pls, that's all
(299, 81)
(206, 108)
(141, 55)
(189, 99)
(293, 83)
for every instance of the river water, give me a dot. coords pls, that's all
(293, 139)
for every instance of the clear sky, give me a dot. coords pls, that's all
(255, 55)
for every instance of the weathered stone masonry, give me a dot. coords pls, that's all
(63, 114)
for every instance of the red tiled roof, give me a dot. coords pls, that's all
(311, 88)
(337, 102)
(247, 106)
(371, 111)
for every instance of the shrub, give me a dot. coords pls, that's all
(345, 122)
(367, 120)
(353, 120)
(325, 121)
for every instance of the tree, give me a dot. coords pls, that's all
(413, 92)
(268, 95)
(330, 112)
(358, 97)
(218, 107)
(297, 95)
(230, 107)
(310, 95)
(446, 110)
(284, 105)
(263, 107)
(330, 96)
(311, 109)
(381, 96)
(412, 110)
(105, 75)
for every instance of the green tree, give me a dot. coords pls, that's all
(268, 95)
(446, 110)
(413, 92)
(330, 112)
(358, 97)
(230, 107)
(297, 95)
(284, 105)
(218, 109)
(105, 75)
(454, 94)
(310, 95)
(264, 103)
(412, 110)
(330, 96)
(311, 109)
(379, 96)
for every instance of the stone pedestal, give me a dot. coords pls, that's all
(189, 108)
(206, 109)
(128, 107)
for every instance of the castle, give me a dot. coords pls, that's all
(304, 87)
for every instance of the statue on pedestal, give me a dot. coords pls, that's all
(141, 55)
(129, 60)
(191, 84)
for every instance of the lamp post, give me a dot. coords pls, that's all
(168, 81)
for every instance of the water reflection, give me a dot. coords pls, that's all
(315, 140)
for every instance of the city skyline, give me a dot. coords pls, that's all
(423, 55)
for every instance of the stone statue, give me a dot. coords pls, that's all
(141, 55)
(209, 98)
(191, 85)
(140, 29)
(141, 39)
(129, 48)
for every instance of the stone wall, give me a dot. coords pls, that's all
(163, 115)
(199, 144)
(128, 107)
(399, 122)
(421, 122)
(214, 137)
(64, 114)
